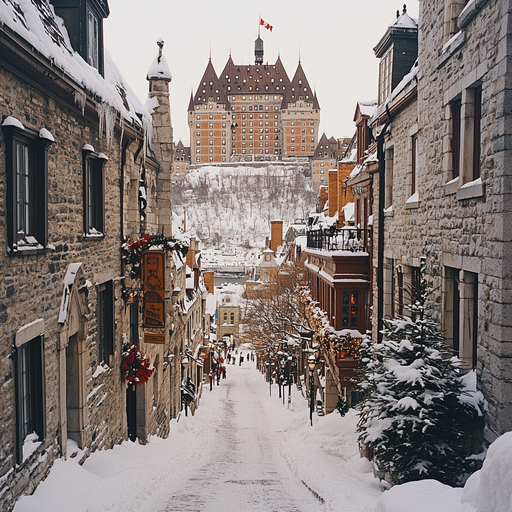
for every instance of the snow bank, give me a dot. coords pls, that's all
(490, 489)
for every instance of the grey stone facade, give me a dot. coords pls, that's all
(460, 221)
(66, 303)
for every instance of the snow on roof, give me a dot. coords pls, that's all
(352, 157)
(37, 23)
(409, 78)
(404, 21)
(348, 212)
(367, 108)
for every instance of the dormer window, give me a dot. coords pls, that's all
(385, 75)
(84, 23)
(93, 39)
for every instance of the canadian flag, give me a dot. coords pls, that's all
(268, 26)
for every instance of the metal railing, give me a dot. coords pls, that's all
(341, 239)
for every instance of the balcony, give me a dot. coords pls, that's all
(339, 239)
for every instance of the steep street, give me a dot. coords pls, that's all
(242, 451)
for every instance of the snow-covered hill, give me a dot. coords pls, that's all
(230, 207)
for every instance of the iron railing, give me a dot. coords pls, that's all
(342, 239)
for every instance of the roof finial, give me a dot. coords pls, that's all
(397, 14)
(160, 44)
(405, 8)
(210, 48)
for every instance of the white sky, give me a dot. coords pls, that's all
(335, 39)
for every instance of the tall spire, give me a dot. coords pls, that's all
(258, 49)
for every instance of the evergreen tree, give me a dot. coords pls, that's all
(412, 416)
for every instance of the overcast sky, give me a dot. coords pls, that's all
(335, 39)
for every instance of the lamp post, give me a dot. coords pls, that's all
(283, 363)
(289, 378)
(311, 364)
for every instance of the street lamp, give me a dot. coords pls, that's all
(289, 378)
(311, 364)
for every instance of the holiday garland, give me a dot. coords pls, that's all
(344, 345)
(131, 250)
(136, 368)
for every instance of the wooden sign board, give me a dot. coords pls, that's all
(153, 285)
(151, 337)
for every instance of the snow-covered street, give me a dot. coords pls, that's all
(243, 450)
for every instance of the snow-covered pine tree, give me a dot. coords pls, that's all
(411, 417)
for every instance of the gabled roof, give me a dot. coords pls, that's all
(327, 148)
(299, 88)
(210, 88)
(365, 109)
(182, 152)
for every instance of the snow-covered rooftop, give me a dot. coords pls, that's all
(38, 25)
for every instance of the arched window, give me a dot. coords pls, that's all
(225, 318)
(265, 277)
(232, 318)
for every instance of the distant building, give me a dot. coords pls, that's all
(252, 112)
(326, 156)
(181, 162)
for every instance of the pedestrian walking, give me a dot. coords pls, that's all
(224, 372)
(241, 360)
(234, 359)
(229, 358)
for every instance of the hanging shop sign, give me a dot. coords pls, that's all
(153, 283)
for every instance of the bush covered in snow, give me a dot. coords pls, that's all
(414, 416)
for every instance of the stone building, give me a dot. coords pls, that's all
(76, 178)
(252, 112)
(439, 186)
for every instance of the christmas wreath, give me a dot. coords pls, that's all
(136, 367)
(131, 250)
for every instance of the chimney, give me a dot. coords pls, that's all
(159, 77)
(191, 254)
(276, 234)
(333, 192)
(323, 197)
(209, 281)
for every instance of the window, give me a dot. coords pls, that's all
(455, 110)
(414, 159)
(477, 117)
(93, 192)
(389, 178)
(105, 321)
(385, 68)
(225, 318)
(134, 321)
(93, 40)
(350, 309)
(27, 185)
(30, 406)
(232, 318)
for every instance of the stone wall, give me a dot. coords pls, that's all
(462, 230)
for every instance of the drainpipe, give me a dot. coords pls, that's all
(380, 248)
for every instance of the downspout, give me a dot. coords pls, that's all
(124, 150)
(380, 248)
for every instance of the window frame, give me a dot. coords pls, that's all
(34, 350)
(105, 318)
(93, 203)
(38, 183)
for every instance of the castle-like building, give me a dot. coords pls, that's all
(252, 110)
